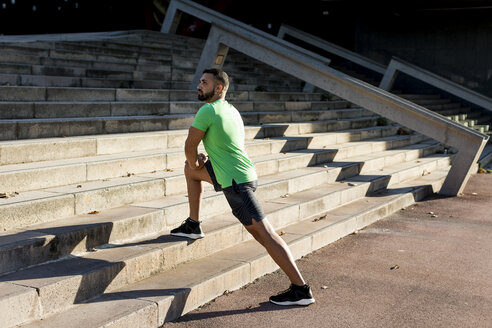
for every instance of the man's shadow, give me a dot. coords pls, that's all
(262, 307)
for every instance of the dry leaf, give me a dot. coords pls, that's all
(8, 194)
(320, 218)
(169, 170)
(281, 233)
(94, 212)
(324, 287)
(79, 186)
(396, 266)
(352, 184)
(285, 196)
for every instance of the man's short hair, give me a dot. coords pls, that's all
(220, 77)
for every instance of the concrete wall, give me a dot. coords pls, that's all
(455, 44)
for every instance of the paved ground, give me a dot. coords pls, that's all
(408, 270)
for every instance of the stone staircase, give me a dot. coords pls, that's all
(91, 175)
(479, 120)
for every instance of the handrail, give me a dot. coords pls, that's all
(331, 48)
(280, 54)
(83, 36)
(397, 64)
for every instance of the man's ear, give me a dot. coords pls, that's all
(220, 88)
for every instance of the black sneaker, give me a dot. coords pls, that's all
(190, 229)
(295, 295)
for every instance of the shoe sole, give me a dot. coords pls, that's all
(187, 235)
(303, 302)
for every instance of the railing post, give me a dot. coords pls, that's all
(213, 56)
(281, 32)
(461, 169)
(389, 77)
(171, 19)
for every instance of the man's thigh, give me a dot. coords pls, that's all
(198, 175)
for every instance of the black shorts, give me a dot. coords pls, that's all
(240, 197)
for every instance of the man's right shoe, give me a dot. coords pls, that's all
(189, 229)
(295, 295)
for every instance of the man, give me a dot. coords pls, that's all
(229, 170)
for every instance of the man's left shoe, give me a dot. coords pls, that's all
(295, 295)
(189, 229)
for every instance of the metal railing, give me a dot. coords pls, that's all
(226, 32)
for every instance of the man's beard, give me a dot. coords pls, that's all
(206, 96)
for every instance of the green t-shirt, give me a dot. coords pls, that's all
(224, 142)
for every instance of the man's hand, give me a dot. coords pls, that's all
(200, 162)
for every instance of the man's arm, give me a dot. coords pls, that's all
(191, 148)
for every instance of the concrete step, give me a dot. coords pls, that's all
(61, 109)
(20, 252)
(85, 72)
(35, 150)
(482, 128)
(33, 176)
(129, 49)
(14, 58)
(69, 81)
(116, 269)
(64, 127)
(272, 85)
(140, 46)
(30, 94)
(102, 56)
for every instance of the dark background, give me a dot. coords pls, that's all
(450, 37)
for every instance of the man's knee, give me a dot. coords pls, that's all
(259, 229)
(196, 175)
